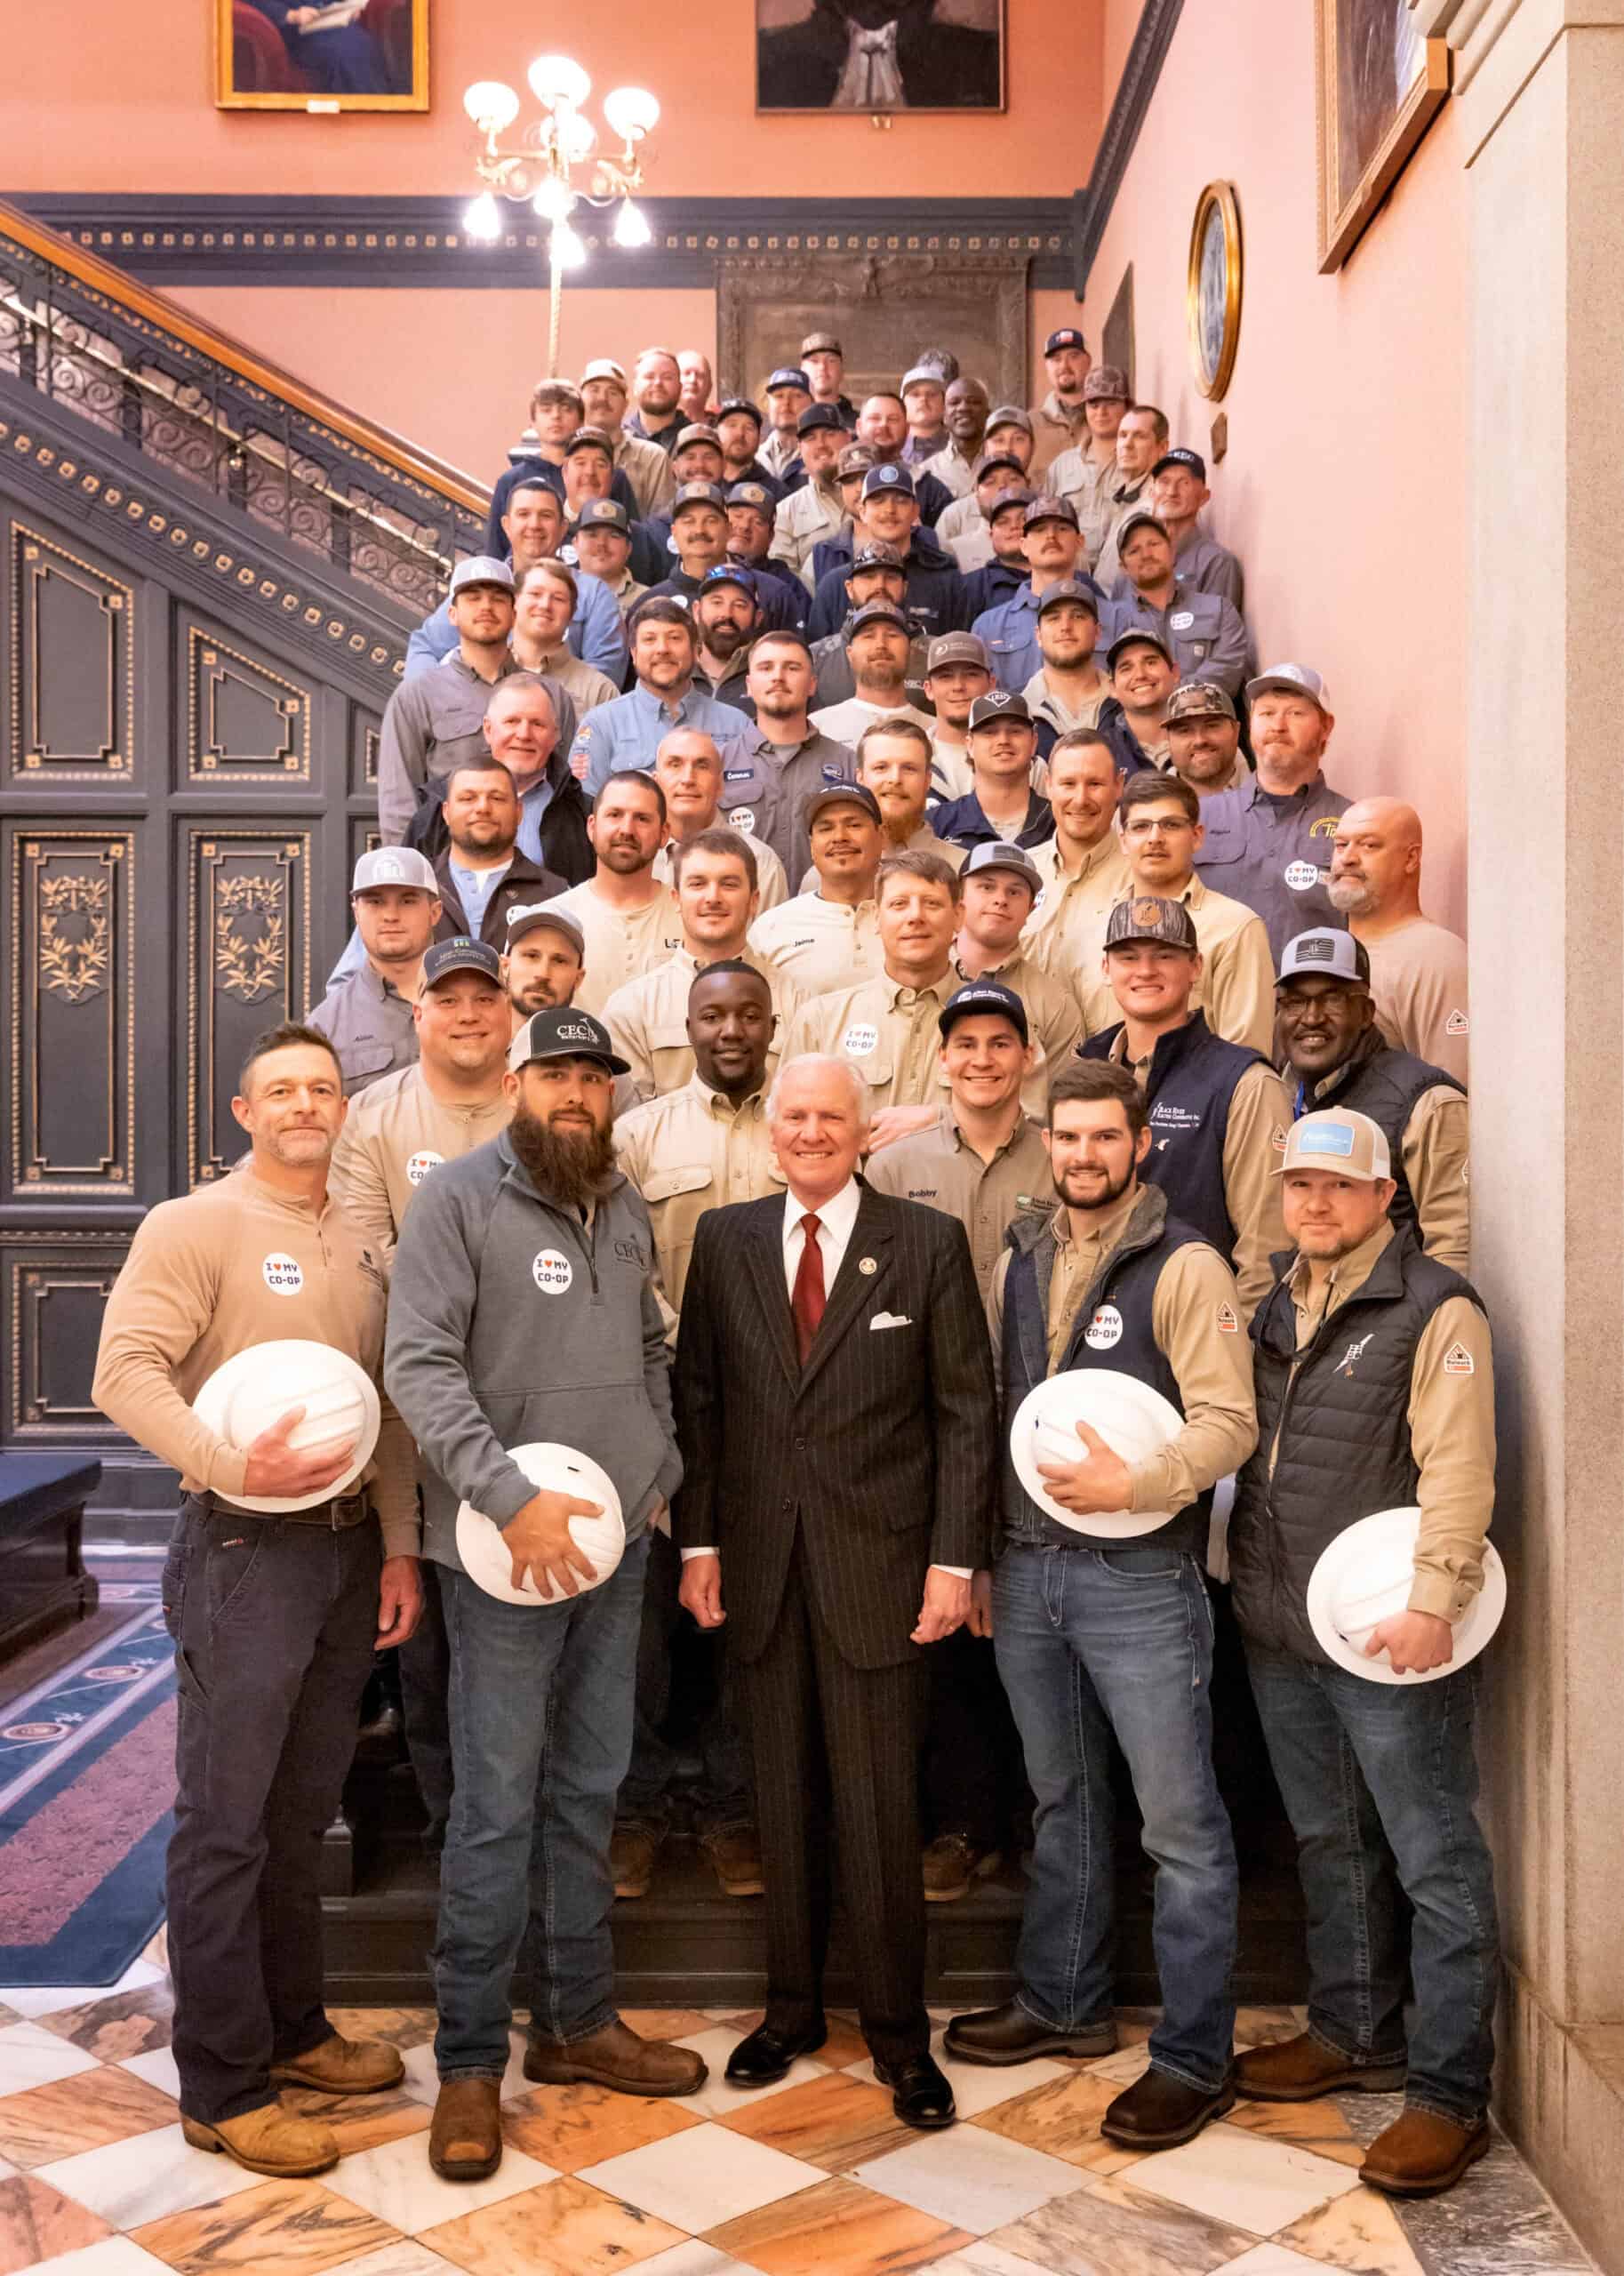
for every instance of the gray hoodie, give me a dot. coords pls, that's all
(510, 1321)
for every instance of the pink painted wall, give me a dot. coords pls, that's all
(1345, 486)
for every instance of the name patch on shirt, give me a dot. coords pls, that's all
(1300, 875)
(552, 1271)
(418, 1167)
(1182, 622)
(1104, 1329)
(283, 1274)
(736, 774)
(860, 1039)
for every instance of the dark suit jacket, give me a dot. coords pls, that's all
(883, 1451)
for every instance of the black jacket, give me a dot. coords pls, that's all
(523, 885)
(566, 850)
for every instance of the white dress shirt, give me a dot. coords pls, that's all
(835, 1219)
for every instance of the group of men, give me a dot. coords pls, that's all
(794, 1013)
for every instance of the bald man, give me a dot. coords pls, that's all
(1418, 969)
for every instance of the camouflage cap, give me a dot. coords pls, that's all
(698, 433)
(856, 458)
(1009, 414)
(1107, 383)
(821, 343)
(1046, 508)
(1147, 917)
(1199, 699)
(876, 554)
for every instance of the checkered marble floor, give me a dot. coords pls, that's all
(814, 2174)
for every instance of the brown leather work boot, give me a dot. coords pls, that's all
(617, 2058)
(951, 1862)
(735, 1858)
(1422, 2154)
(465, 2141)
(342, 2067)
(632, 1853)
(1299, 2069)
(267, 2140)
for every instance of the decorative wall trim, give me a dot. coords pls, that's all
(417, 241)
(1092, 207)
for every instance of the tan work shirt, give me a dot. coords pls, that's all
(1436, 1152)
(771, 882)
(1192, 1318)
(585, 685)
(234, 1264)
(648, 1019)
(1088, 482)
(1054, 1018)
(1418, 985)
(887, 1029)
(690, 1152)
(1254, 1139)
(394, 1134)
(1066, 932)
(621, 943)
(821, 944)
(939, 1168)
(1450, 1414)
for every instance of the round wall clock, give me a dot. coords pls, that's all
(1213, 292)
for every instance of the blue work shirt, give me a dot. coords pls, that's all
(595, 633)
(1273, 852)
(1201, 631)
(1010, 631)
(616, 737)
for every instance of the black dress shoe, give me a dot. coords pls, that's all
(1009, 2034)
(764, 2057)
(920, 2094)
(1157, 2113)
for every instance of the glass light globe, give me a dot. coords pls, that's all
(630, 228)
(577, 136)
(564, 248)
(482, 219)
(632, 112)
(558, 79)
(491, 105)
(554, 201)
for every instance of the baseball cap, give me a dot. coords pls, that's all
(1140, 520)
(896, 478)
(833, 794)
(1009, 414)
(1045, 507)
(530, 916)
(990, 461)
(698, 433)
(394, 865)
(789, 375)
(739, 402)
(1126, 639)
(481, 569)
(1017, 495)
(996, 855)
(1182, 456)
(603, 514)
(1291, 679)
(731, 572)
(460, 954)
(1147, 917)
(754, 493)
(876, 554)
(876, 612)
(1351, 1144)
(590, 438)
(921, 375)
(1068, 336)
(1200, 698)
(983, 996)
(605, 367)
(819, 414)
(956, 648)
(699, 494)
(1068, 589)
(1332, 955)
(564, 1033)
(998, 704)
(1107, 383)
(856, 458)
(821, 343)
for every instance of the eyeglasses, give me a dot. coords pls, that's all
(1162, 826)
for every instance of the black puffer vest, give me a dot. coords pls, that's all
(1334, 1419)
(1113, 1328)
(1384, 1084)
(1192, 1079)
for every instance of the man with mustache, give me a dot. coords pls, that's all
(523, 1308)
(1269, 843)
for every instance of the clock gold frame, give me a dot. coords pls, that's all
(1214, 384)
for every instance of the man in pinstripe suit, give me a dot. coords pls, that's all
(839, 1440)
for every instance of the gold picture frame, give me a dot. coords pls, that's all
(1378, 85)
(372, 56)
(1213, 286)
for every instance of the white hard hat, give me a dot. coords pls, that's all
(1134, 1421)
(255, 1388)
(558, 1470)
(1365, 1577)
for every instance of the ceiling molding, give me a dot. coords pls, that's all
(1158, 20)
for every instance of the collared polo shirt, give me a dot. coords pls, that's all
(369, 1024)
(938, 1167)
(821, 944)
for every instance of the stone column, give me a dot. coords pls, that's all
(1542, 83)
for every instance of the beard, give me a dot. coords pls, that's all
(569, 1166)
(1111, 1191)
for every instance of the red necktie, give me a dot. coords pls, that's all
(807, 1301)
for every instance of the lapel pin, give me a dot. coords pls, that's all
(867, 1265)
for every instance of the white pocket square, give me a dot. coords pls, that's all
(891, 1319)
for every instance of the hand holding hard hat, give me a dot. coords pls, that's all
(305, 1415)
(568, 1538)
(1358, 1601)
(1075, 1440)
(543, 1549)
(1091, 1482)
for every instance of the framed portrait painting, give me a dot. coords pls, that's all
(865, 56)
(321, 55)
(1380, 85)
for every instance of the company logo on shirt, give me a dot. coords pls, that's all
(1104, 1329)
(418, 1167)
(283, 1276)
(552, 1271)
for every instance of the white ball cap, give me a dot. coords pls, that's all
(393, 865)
(1365, 1576)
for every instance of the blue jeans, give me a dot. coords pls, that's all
(1090, 1645)
(541, 1726)
(1379, 1782)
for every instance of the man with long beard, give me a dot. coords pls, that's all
(522, 1308)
